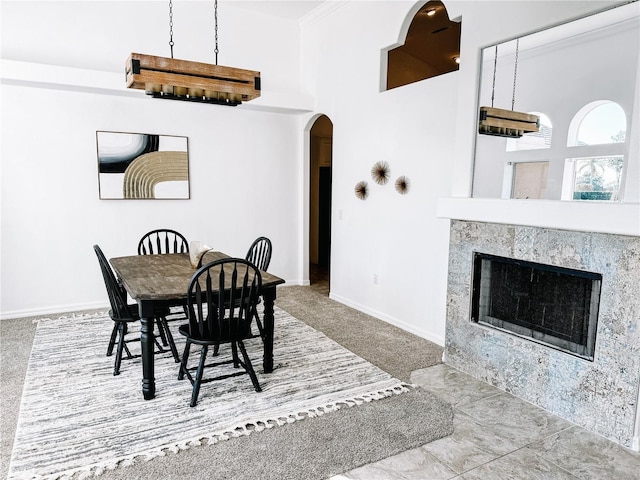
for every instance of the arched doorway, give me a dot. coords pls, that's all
(320, 203)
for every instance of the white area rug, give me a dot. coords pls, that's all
(77, 419)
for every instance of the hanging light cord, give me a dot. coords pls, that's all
(171, 27)
(515, 72)
(495, 66)
(171, 43)
(215, 16)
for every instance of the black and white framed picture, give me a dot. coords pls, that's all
(142, 166)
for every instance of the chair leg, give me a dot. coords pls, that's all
(255, 315)
(234, 353)
(155, 340)
(183, 364)
(249, 367)
(163, 326)
(198, 379)
(112, 340)
(161, 330)
(121, 345)
(216, 349)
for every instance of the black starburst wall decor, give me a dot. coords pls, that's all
(380, 172)
(402, 185)
(362, 190)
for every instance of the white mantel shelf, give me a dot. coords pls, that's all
(601, 217)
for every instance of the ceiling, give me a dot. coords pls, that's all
(292, 9)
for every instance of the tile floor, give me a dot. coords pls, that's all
(497, 437)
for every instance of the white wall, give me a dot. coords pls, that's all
(244, 165)
(394, 237)
(100, 35)
(424, 131)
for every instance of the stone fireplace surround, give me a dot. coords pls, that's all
(601, 396)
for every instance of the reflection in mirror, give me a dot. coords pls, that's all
(592, 178)
(598, 123)
(533, 140)
(527, 180)
(581, 79)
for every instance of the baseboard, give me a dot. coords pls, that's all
(39, 312)
(295, 283)
(437, 339)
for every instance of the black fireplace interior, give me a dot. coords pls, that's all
(552, 305)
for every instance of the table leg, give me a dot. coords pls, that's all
(145, 309)
(268, 296)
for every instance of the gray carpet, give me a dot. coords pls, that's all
(390, 348)
(313, 448)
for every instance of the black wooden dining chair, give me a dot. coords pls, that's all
(123, 314)
(260, 255)
(220, 300)
(161, 241)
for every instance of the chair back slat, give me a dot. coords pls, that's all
(162, 241)
(116, 292)
(260, 253)
(220, 298)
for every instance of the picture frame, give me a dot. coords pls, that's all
(142, 166)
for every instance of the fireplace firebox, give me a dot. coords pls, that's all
(551, 305)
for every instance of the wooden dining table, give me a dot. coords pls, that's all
(156, 281)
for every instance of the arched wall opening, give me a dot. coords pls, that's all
(320, 184)
(431, 48)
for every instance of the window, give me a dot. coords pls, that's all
(593, 178)
(535, 140)
(599, 127)
(598, 123)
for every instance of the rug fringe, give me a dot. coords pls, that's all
(98, 469)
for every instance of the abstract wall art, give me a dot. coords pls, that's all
(142, 166)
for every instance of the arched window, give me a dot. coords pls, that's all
(595, 173)
(533, 140)
(432, 47)
(598, 123)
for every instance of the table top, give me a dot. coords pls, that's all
(166, 276)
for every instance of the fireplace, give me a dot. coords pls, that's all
(591, 374)
(551, 305)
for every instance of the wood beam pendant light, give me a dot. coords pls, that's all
(174, 79)
(506, 123)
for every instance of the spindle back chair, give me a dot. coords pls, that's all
(123, 314)
(220, 300)
(162, 241)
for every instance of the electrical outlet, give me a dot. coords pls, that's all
(375, 278)
(340, 214)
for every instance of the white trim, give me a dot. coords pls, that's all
(437, 339)
(593, 216)
(321, 11)
(76, 307)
